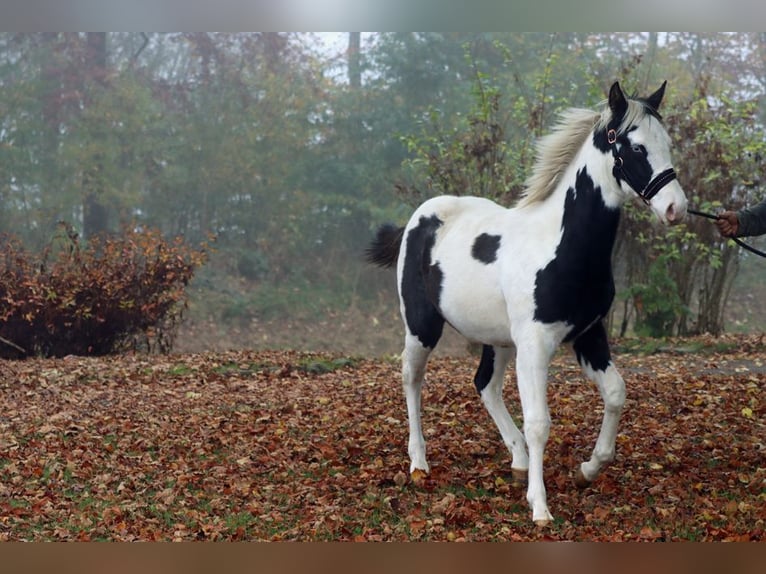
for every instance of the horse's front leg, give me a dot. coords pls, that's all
(592, 350)
(534, 352)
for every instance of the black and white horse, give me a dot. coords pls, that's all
(533, 276)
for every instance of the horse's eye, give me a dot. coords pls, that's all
(637, 148)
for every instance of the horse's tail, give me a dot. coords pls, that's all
(384, 249)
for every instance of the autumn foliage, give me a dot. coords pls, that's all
(298, 446)
(113, 294)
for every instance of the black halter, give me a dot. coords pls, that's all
(619, 171)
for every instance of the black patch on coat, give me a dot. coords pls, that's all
(577, 286)
(486, 368)
(422, 283)
(634, 167)
(593, 347)
(485, 248)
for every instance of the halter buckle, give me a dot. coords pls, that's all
(611, 137)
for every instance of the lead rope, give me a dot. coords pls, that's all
(736, 240)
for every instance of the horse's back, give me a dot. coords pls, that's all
(448, 207)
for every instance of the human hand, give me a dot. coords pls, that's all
(727, 223)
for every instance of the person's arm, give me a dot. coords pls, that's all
(752, 220)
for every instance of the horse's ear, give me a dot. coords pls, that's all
(617, 102)
(656, 98)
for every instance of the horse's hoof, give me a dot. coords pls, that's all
(580, 480)
(418, 476)
(542, 522)
(520, 475)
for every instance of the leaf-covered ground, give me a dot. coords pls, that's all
(293, 446)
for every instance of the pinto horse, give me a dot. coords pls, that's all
(533, 276)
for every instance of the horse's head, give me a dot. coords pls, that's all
(640, 146)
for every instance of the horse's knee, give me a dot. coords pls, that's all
(536, 430)
(614, 391)
(413, 369)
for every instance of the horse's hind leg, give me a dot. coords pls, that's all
(414, 359)
(592, 350)
(489, 383)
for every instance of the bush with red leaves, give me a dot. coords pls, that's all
(117, 293)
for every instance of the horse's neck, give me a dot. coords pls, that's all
(590, 203)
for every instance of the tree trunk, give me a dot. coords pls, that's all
(274, 47)
(354, 65)
(52, 117)
(649, 58)
(95, 219)
(714, 292)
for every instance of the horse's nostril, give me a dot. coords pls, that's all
(670, 214)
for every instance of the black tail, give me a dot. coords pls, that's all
(384, 249)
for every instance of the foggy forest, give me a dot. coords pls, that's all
(284, 151)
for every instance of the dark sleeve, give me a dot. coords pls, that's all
(752, 220)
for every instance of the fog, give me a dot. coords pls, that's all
(289, 149)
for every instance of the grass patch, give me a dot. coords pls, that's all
(682, 346)
(323, 365)
(269, 301)
(240, 520)
(234, 368)
(179, 370)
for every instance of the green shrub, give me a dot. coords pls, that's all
(115, 294)
(252, 264)
(657, 301)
